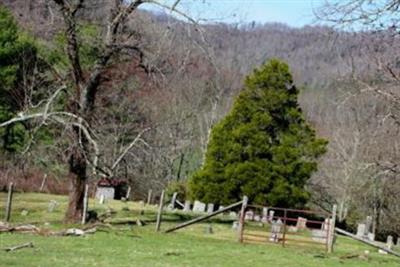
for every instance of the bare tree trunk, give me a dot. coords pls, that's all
(78, 177)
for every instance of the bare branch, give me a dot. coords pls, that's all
(129, 147)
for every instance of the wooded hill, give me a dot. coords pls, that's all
(179, 79)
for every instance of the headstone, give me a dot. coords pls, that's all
(106, 192)
(24, 213)
(52, 205)
(326, 224)
(361, 230)
(209, 229)
(368, 224)
(235, 225)
(301, 223)
(292, 229)
(271, 215)
(221, 207)
(371, 237)
(199, 206)
(276, 231)
(249, 215)
(210, 207)
(319, 236)
(398, 241)
(257, 218)
(186, 208)
(264, 217)
(389, 242)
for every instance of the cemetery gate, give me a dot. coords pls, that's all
(286, 227)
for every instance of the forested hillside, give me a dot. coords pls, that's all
(176, 80)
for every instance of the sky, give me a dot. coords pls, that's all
(295, 13)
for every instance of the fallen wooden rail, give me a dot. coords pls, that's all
(204, 217)
(341, 231)
(26, 245)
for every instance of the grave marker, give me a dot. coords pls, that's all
(186, 207)
(389, 242)
(210, 207)
(361, 230)
(52, 205)
(199, 206)
(276, 229)
(301, 223)
(271, 215)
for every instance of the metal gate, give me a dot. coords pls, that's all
(283, 226)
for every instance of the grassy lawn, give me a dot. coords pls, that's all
(131, 245)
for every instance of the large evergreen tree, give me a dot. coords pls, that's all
(263, 148)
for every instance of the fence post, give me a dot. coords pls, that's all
(9, 201)
(43, 182)
(149, 196)
(128, 193)
(241, 218)
(173, 200)
(284, 227)
(331, 229)
(85, 203)
(159, 214)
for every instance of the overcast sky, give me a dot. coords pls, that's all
(295, 13)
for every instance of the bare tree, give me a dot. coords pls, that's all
(82, 88)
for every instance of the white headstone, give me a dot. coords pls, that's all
(186, 208)
(52, 205)
(257, 218)
(371, 237)
(276, 231)
(271, 215)
(221, 207)
(301, 223)
(368, 224)
(235, 225)
(326, 224)
(318, 236)
(264, 212)
(24, 212)
(361, 230)
(106, 192)
(210, 207)
(249, 215)
(199, 206)
(389, 242)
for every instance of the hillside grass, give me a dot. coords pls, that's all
(132, 245)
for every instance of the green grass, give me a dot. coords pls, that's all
(131, 245)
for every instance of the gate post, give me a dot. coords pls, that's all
(331, 229)
(241, 218)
